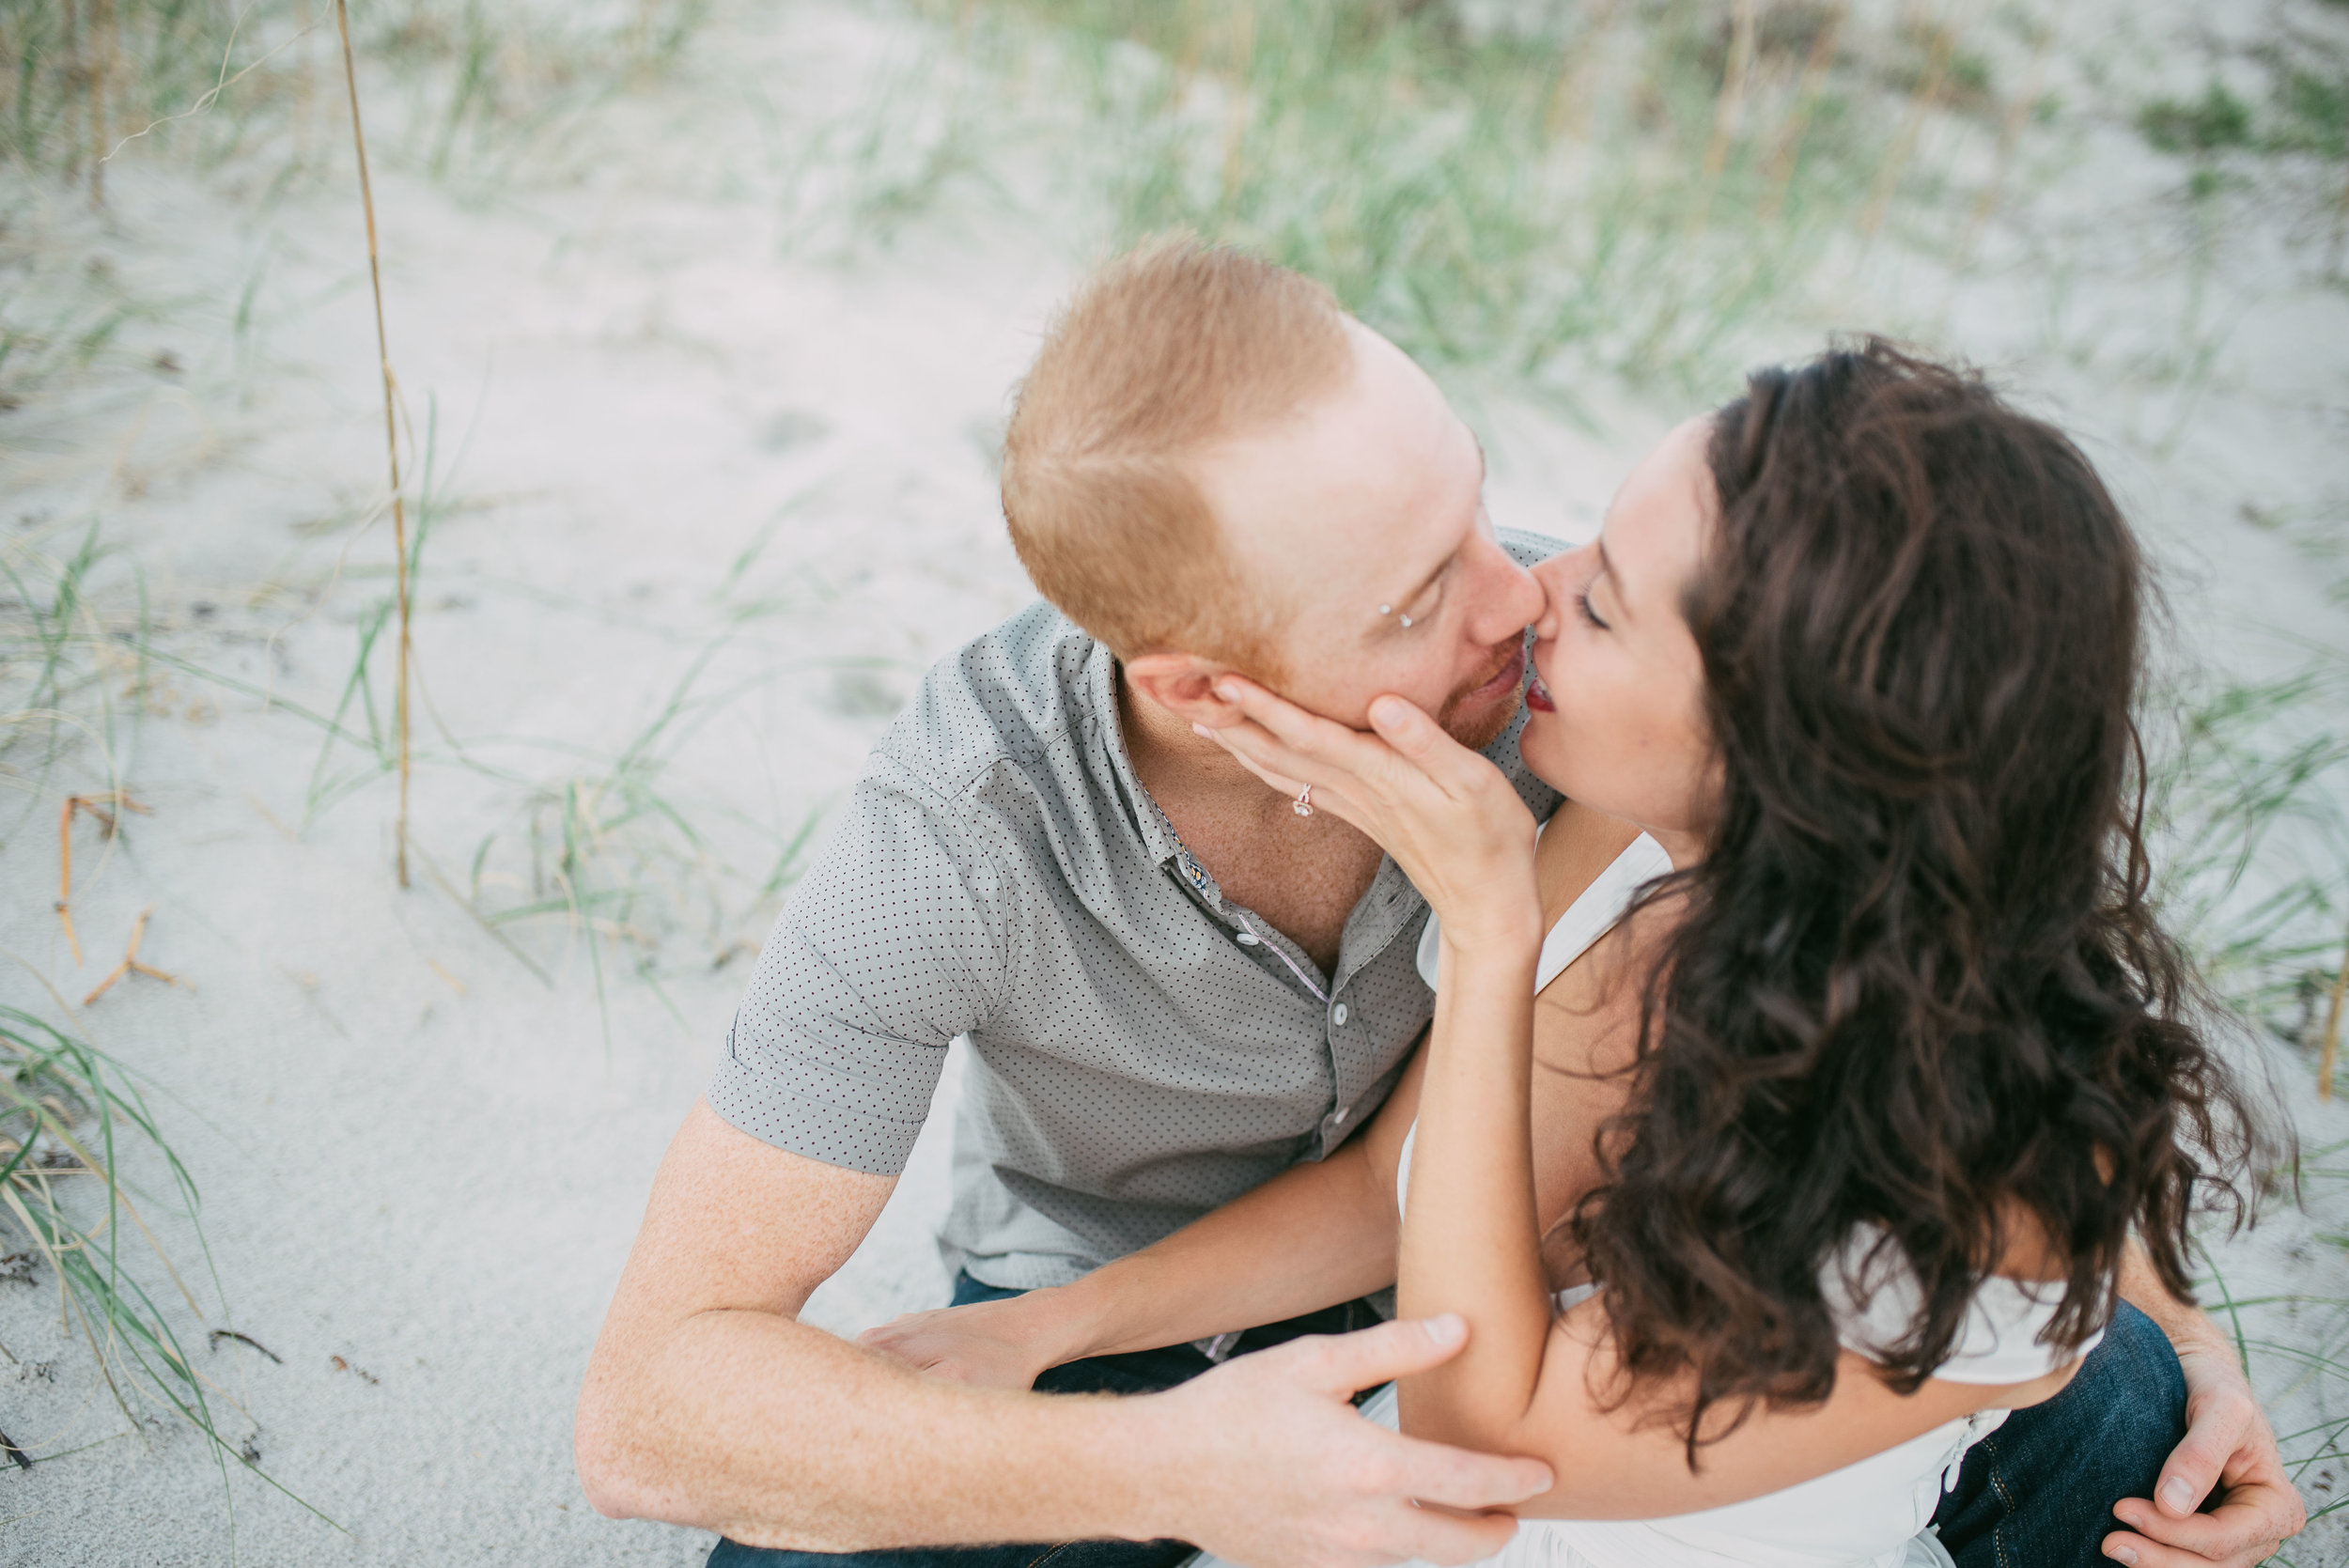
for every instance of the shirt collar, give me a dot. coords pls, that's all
(1159, 837)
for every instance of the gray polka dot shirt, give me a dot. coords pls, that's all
(1143, 1050)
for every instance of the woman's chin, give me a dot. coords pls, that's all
(1542, 745)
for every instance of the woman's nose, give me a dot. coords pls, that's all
(1557, 578)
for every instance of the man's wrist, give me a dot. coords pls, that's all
(2185, 1325)
(1139, 1452)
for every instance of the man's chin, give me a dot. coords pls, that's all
(1480, 728)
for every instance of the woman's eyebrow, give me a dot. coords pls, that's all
(1607, 569)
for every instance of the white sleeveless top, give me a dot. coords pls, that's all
(1871, 1515)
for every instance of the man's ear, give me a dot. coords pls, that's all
(1184, 684)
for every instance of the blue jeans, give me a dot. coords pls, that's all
(2041, 1488)
(2037, 1493)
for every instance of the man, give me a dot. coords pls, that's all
(1174, 984)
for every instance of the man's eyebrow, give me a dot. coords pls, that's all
(1412, 594)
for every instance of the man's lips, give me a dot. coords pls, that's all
(1503, 679)
(1537, 696)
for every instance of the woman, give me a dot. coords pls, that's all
(1860, 1098)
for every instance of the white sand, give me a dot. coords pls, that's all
(414, 1156)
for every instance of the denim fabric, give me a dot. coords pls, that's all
(2038, 1492)
(1140, 1372)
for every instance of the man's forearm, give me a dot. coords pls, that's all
(2187, 1327)
(777, 1433)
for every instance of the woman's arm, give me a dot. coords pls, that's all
(1530, 1382)
(1472, 1234)
(1313, 1236)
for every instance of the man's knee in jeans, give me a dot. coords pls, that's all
(2041, 1488)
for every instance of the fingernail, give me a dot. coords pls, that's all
(1386, 710)
(1226, 690)
(1447, 1328)
(1203, 732)
(2122, 1554)
(2178, 1495)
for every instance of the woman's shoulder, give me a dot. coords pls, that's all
(1577, 846)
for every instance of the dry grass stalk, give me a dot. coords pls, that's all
(1926, 100)
(391, 434)
(1570, 112)
(100, 57)
(1780, 177)
(2018, 115)
(96, 805)
(2330, 1051)
(1728, 113)
(303, 91)
(131, 964)
(65, 876)
(1239, 105)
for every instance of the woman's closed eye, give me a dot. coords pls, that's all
(1583, 601)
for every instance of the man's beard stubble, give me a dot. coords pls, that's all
(1479, 730)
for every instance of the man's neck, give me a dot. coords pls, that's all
(1302, 873)
(1180, 767)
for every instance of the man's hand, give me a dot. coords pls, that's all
(2228, 1444)
(1265, 1461)
(996, 1345)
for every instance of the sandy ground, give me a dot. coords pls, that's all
(421, 1163)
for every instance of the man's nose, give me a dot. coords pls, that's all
(1515, 603)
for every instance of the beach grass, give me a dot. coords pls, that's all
(67, 1112)
(1622, 188)
(1620, 192)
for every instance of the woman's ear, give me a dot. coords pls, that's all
(1184, 684)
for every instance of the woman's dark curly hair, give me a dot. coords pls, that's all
(1918, 981)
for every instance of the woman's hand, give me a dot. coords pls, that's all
(998, 1344)
(1447, 817)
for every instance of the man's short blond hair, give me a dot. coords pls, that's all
(1171, 347)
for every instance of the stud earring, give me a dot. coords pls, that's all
(1386, 609)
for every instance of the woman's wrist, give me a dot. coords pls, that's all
(1493, 934)
(1066, 1323)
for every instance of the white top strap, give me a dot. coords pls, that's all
(1874, 1306)
(1591, 916)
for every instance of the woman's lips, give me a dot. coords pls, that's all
(1537, 696)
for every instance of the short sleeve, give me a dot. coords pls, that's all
(887, 949)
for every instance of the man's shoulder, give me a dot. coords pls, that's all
(1008, 695)
(1527, 549)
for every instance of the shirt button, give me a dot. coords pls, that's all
(1337, 1016)
(1246, 938)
